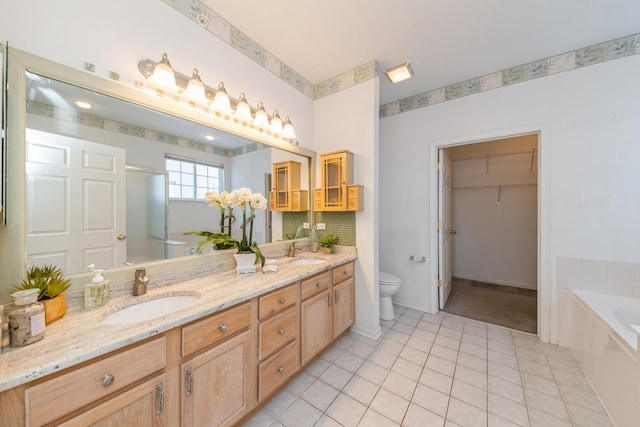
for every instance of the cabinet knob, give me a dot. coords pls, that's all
(223, 327)
(281, 300)
(318, 285)
(280, 369)
(281, 331)
(107, 380)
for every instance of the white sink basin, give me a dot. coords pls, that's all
(149, 309)
(308, 261)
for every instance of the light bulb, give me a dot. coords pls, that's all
(287, 129)
(261, 119)
(195, 89)
(163, 76)
(243, 111)
(221, 101)
(276, 124)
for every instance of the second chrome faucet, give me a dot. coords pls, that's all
(293, 248)
(140, 282)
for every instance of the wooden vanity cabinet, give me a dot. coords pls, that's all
(337, 191)
(343, 298)
(286, 195)
(217, 382)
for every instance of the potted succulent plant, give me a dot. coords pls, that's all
(327, 242)
(51, 283)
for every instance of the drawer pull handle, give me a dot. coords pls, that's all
(281, 331)
(281, 300)
(107, 380)
(280, 369)
(318, 285)
(223, 327)
(344, 272)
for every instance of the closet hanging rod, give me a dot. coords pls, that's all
(497, 155)
(494, 185)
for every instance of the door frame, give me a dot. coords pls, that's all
(545, 284)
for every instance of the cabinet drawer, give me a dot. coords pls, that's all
(215, 328)
(277, 301)
(277, 331)
(342, 273)
(315, 285)
(276, 370)
(52, 399)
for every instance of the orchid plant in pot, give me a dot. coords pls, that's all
(248, 202)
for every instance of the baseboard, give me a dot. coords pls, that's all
(374, 335)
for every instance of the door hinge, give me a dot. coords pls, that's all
(439, 166)
(439, 283)
(439, 225)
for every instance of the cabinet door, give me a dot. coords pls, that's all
(315, 332)
(141, 406)
(216, 387)
(333, 182)
(343, 307)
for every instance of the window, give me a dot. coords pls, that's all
(190, 179)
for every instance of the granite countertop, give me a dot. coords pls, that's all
(79, 336)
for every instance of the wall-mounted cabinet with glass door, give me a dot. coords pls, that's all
(338, 192)
(286, 195)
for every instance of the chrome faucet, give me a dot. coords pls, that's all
(140, 282)
(293, 248)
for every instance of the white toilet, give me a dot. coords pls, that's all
(389, 285)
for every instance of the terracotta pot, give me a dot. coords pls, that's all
(326, 249)
(54, 308)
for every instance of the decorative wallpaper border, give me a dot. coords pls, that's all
(591, 55)
(71, 116)
(614, 49)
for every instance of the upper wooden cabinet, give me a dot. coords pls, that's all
(337, 191)
(286, 195)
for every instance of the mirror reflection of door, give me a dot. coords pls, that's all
(75, 202)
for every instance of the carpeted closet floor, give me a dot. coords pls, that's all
(507, 306)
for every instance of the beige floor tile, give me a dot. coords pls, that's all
(496, 421)
(508, 409)
(400, 385)
(471, 376)
(331, 353)
(349, 361)
(414, 355)
(540, 384)
(441, 365)
(582, 397)
(506, 389)
(436, 380)
(301, 383)
(543, 419)
(260, 419)
(417, 416)
(280, 402)
(469, 394)
(535, 368)
(300, 414)
(419, 344)
(361, 348)
(408, 369)
(320, 395)
(477, 329)
(336, 376)
(373, 419)
(473, 349)
(431, 399)
(471, 337)
(452, 343)
(444, 352)
(408, 320)
(398, 337)
(503, 359)
(505, 373)
(428, 326)
(326, 421)
(587, 417)
(404, 328)
(346, 410)
(390, 346)
(414, 313)
(372, 372)
(466, 415)
(472, 362)
(455, 334)
(317, 367)
(361, 390)
(546, 403)
(382, 358)
(390, 405)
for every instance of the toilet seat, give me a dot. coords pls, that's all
(388, 279)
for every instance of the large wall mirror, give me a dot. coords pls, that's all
(119, 183)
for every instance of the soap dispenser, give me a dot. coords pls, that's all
(96, 293)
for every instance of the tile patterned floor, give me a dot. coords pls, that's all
(438, 370)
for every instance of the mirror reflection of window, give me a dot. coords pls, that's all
(190, 179)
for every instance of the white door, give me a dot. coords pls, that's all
(444, 227)
(89, 226)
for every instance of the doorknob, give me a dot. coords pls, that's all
(452, 231)
(121, 236)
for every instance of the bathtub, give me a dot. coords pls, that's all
(604, 341)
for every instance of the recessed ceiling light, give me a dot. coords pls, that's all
(209, 137)
(83, 104)
(399, 72)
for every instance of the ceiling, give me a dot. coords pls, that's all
(447, 41)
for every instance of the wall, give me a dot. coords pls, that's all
(589, 198)
(494, 212)
(349, 120)
(115, 36)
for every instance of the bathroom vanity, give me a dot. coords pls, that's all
(211, 363)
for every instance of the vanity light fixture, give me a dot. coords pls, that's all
(179, 88)
(243, 111)
(276, 124)
(287, 129)
(399, 72)
(261, 119)
(221, 102)
(83, 104)
(163, 75)
(195, 89)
